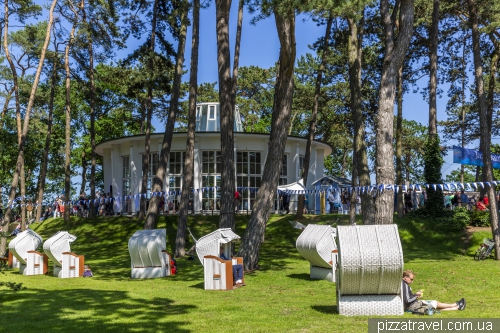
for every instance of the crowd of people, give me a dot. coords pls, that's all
(414, 200)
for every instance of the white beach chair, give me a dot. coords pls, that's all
(370, 268)
(316, 244)
(218, 273)
(58, 250)
(20, 248)
(148, 255)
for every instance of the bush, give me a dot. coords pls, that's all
(445, 220)
(480, 218)
(459, 220)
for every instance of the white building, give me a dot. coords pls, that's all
(122, 162)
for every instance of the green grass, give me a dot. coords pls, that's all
(279, 297)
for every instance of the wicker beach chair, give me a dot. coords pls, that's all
(315, 244)
(370, 267)
(66, 263)
(218, 273)
(20, 248)
(148, 254)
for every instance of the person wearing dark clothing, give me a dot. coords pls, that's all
(286, 202)
(331, 202)
(411, 301)
(408, 201)
(464, 199)
(237, 270)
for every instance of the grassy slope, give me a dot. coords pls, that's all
(279, 297)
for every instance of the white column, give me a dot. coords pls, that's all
(234, 157)
(297, 164)
(116, 176)
(196, 176)
(313, 172)
(134, 177)
(165, 182)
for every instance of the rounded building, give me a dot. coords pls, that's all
(122, 163)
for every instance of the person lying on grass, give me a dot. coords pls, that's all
(411, 301)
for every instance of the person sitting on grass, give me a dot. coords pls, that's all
(411, 301)
(237, 269)
(87, 272)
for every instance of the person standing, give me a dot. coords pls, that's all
(408, 202)
(29, 210)
(286, 202)
(421, 199)
(464, 199)
(237, 198)
(331, 201)
(414, 199)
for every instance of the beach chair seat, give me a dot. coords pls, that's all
(370, 268)
(218, 273)
(25, 241)
(55, 247)
(148, 255)
(316, 244)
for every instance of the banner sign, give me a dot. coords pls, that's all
(473, 157)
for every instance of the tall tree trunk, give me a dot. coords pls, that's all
(228, 187)
(45, 160)
(187, 184)
(283, 96)
(395, 52)
(484, 119)
(314, 112)
(464, 74)
(157, 186)
(8, 98)
(90, 74)
(359, 146)
(149, 113)
(10, 203)
(433, 61)
(67, 161)
(399, 146)
(353, 194)
(20, 156)
(84, 171)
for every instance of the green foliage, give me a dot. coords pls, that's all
(469, 177)
(459, 220)
(444, 220)
(413, 143)
(480, 218)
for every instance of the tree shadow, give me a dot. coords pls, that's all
(85, 310)
(326, 309)
(302, 276)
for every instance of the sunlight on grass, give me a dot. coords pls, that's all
(279, 297)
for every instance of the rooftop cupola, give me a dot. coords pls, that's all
(208, 118)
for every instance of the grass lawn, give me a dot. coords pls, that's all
(279, 297)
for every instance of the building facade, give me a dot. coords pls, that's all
(122, 163)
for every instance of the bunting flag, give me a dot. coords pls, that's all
(368, 189)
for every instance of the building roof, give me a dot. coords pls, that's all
(238, 136)
(328, 180)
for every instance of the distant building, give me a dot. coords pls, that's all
(122, 162)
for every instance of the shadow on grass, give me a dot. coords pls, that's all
(421, 241)
(326, 309)
(303, 276)
(84, 310)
